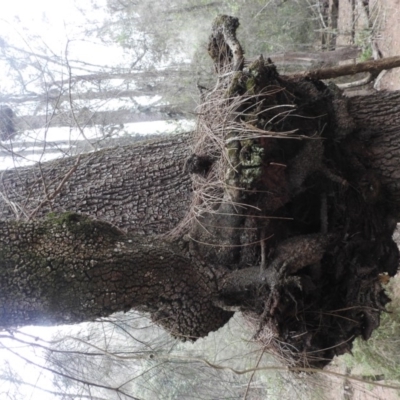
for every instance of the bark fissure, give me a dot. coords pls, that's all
(68, 269)
(141, 188)
(377, 118)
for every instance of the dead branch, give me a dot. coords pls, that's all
(374, 67)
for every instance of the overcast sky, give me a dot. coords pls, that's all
(56, 23)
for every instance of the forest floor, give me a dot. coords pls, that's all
(384, 30)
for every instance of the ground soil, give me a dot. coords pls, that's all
(386, 35)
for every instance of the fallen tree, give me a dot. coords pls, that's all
(281, 205)
(309, 176)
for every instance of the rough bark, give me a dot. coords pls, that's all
(377, 119)
(138, 187)
(68, 269)
(129, 170)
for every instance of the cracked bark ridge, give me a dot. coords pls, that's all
(70, 268)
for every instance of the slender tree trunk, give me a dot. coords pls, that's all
(147, 76)
(194, 8)
(373, 67)
(308, 58)
(90, 95)
(147, 83)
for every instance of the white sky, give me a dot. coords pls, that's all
(58, 23)
(55, 21)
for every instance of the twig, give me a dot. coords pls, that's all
(263, 256)
(45, 186)
(253, 373)
(70, 99)
(58, 189)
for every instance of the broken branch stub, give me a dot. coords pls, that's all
(223, 46)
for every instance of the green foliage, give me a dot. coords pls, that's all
(279, 27)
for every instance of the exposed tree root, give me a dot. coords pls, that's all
(285, 201)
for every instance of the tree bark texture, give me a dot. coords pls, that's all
(69, 269)
(138, 187)
(377, 119)
(128, 172)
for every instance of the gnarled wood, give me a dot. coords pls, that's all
(69, 269)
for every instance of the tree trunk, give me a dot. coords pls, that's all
(147, 76)
(90, 95)
(377, 120)
(373, 67)
(69, 269)
(138, 187)
(148, 83)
